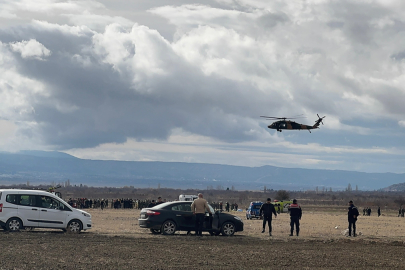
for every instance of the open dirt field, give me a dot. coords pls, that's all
(117, 242)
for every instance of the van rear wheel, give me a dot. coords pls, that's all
(14, 225)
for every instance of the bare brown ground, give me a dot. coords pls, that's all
(117, 242)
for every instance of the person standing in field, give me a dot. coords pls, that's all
(378, 211)
(352, 215)
(295, 216)
(267, 210)
(198, 208)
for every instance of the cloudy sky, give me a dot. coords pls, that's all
(186, 81)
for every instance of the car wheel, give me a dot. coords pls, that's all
(14, 225)
(228, 229)
(74, 226)
(154, 231)
(168, 227)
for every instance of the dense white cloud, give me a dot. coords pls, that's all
(31, 49)
(108, 79)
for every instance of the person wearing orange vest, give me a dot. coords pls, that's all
(295, 216)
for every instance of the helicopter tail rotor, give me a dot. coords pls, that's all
(319, 121)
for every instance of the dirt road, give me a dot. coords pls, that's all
(117, 242)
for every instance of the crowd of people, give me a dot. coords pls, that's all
(83, 203)
(128, 203)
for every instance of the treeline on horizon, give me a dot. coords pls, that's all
(381, 198)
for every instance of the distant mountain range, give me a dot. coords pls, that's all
(40, 167)
(395, 187)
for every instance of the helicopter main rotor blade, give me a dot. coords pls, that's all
(280, 118)
(271, 117)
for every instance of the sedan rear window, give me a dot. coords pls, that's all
(182, 207)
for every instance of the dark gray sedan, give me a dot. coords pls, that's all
(167, 218)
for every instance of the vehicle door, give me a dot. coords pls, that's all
(53, 213)
(185, 218)
(211, 221)
(28, 210)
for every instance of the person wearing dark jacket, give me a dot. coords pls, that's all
(159, 201)
(267, 209)
(295, 216)
(152, 204)
(352, 215)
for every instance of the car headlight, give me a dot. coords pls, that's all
(238, 218)
(86, 215)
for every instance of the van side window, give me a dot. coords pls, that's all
(50, 203)
(28, 200)
(12, 198)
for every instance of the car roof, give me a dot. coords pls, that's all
(163, 205)
(26, 191)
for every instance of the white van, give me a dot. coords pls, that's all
(39, 209)
(187, 197)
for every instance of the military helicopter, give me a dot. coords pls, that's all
(287, 124)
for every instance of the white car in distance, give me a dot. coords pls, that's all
(21, 209)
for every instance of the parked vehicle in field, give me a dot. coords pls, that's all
(253, 211)
(281, 206)
(167, 218)
(21, 209)
(187, 198)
